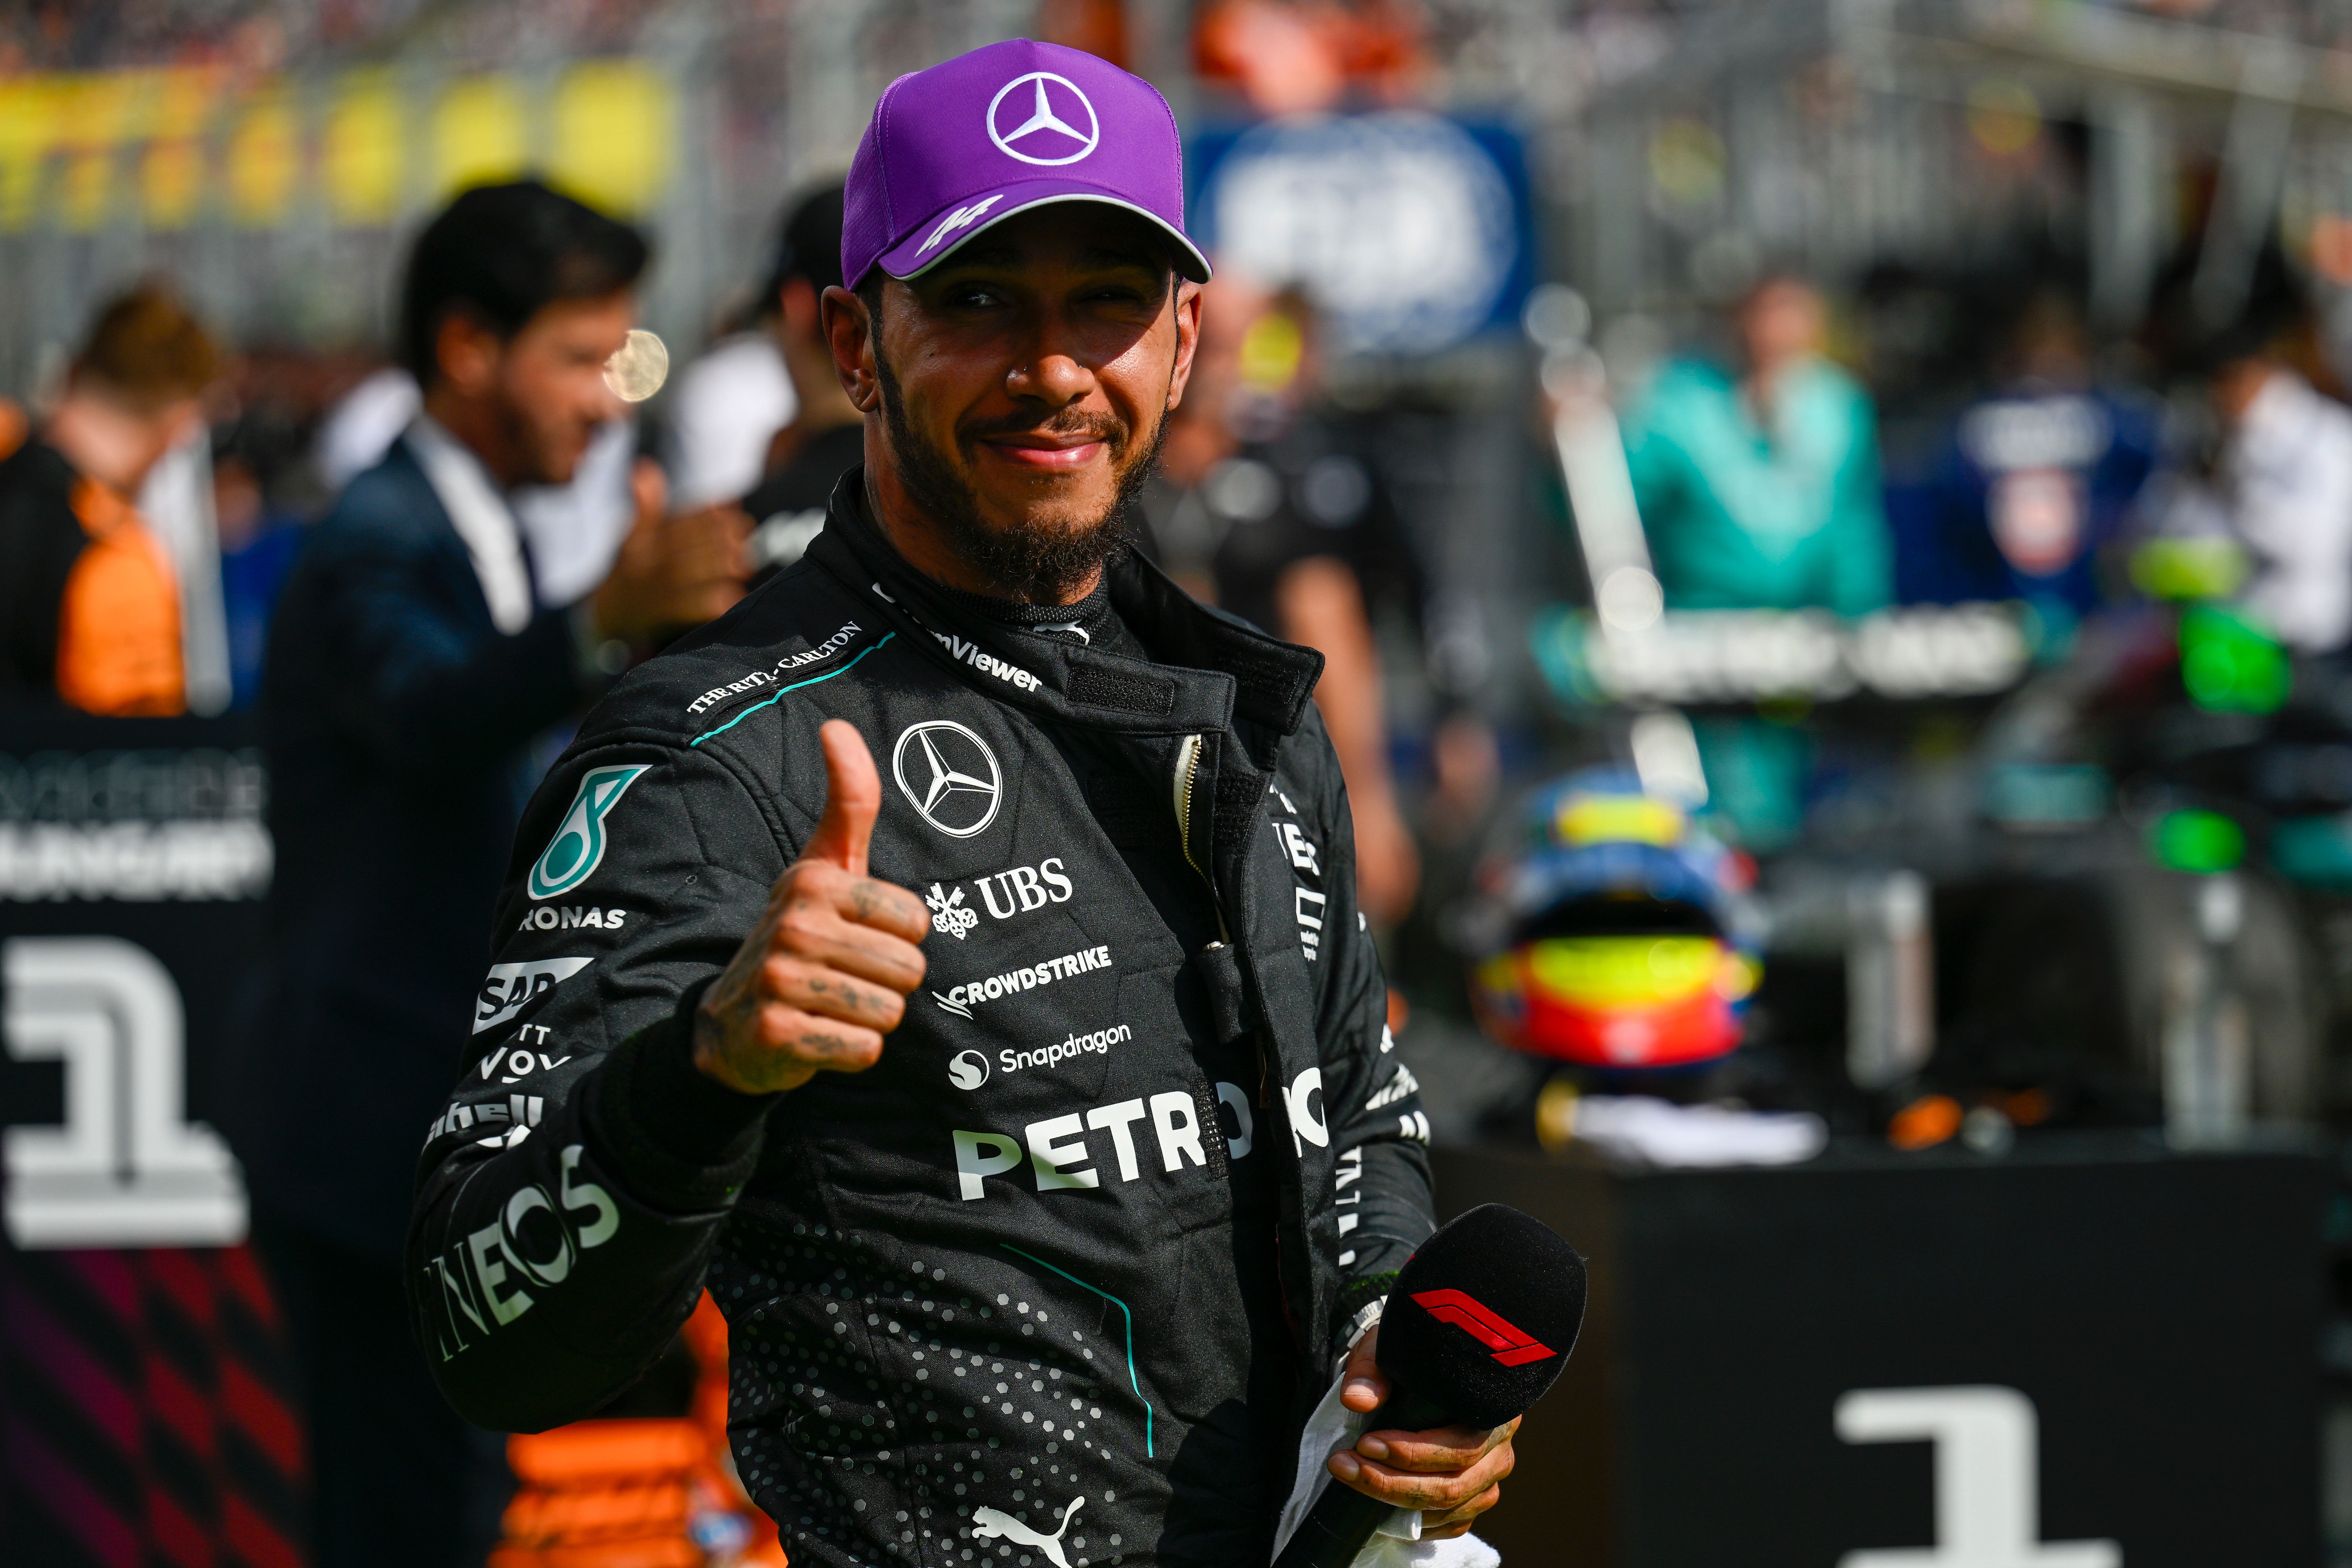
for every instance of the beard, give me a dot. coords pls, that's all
(1037, 560)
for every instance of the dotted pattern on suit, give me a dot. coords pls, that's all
(874, 1405)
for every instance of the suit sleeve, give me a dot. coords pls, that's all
(1379, 1135)
(569, 1193)
(425, 691)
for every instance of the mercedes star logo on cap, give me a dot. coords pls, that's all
(949, 775)
(1041, 123)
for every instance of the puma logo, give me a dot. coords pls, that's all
(990, 1525)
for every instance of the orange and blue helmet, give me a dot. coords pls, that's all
(1626, 942)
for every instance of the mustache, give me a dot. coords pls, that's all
(1105, 427)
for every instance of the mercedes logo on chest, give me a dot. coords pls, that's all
(949, 775)
(1035, 119)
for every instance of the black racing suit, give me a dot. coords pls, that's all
(995, 1279)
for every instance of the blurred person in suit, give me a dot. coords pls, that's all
(415, 658)
(825, 437)
(2037, 482)
(89, 600)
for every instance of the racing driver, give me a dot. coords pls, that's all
(1060, 1271)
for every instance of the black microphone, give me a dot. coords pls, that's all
(1476, 1329)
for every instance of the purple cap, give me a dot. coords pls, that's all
(953, 150)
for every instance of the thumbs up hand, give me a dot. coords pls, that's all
(828, 971)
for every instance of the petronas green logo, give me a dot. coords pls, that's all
(579, 843)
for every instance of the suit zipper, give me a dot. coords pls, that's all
(1188, 777)
(1187, 773)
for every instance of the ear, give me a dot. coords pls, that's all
(467, 352)
(1188, 337)
(850, 335)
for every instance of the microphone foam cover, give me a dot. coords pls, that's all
(1482, 1317)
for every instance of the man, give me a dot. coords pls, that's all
(1062, 1266)
(1760, 489)
(411, 666)
(2039, 479)
(2284, 481)
(828, 437)
(89, 603)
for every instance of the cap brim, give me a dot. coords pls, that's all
(934, 240)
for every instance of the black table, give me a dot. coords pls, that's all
(2149, 1321)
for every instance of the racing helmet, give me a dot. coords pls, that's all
(1626, 942)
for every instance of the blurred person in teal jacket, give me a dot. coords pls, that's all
(1760, 491)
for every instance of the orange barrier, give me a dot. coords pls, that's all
(644, 1493)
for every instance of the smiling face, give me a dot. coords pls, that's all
(1021, 385)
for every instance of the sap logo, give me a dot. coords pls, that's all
(968, 1070)
(1056, 1151)
(986, 663)
(988, 1524)
(485, 1281)
(1025, 887)
(510, 985)
(572, 856)
(962, 217)
(517, 1062)
(548, 917)
(958, 999)
(948, 915)
(1053, 1056)
(1988, 1504)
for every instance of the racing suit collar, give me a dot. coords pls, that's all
(1210, 668)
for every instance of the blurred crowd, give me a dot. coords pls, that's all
(1800, 452)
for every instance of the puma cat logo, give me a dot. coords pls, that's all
(990, 1525)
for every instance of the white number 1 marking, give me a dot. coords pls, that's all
(1987, 1492)
(125, 1170)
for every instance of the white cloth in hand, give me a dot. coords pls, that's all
(1332, 1427)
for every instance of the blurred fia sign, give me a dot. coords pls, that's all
(1410, 231)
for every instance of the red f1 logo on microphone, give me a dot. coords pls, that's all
(1512, 1346)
